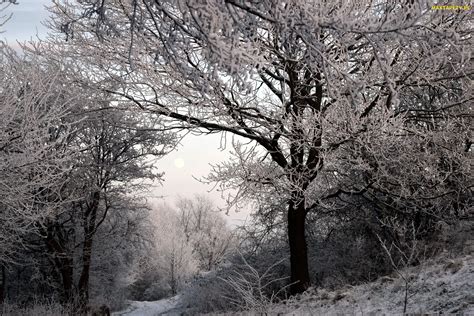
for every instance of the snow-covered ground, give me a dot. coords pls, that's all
(443, 285)
(166, 306)
(440, 286)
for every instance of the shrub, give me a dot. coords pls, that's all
(43, 308)
(246, 281)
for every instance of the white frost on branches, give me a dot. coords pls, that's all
(334, 99)
(34, 126)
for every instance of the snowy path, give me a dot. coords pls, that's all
(161, 307)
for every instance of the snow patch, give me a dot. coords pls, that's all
(161, 307)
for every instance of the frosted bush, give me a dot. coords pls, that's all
(48, 308)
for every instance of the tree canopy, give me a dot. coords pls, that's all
(327, 92)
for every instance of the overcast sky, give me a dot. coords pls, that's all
(192, 157)
(25, 23)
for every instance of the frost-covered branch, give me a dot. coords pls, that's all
(35, 107)
(332, 96)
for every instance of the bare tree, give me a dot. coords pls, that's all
(205, 229)
(68, 159)
(118, 150)
(35, 108)
(174, 258)
(190, 238)
(319, 90)
(403, 255)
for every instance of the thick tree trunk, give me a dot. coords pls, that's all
(65, 267)
(90, 218)
(85, 273)
(63, 263)
(67, 276)
(300, 280)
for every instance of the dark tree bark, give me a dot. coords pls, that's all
(300, 279)
(89, 220)
(85, 273)
(63, 263)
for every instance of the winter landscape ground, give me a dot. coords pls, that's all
(440, 286)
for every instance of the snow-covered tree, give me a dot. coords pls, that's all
(36, 121)
(70, 162)
(118, 149)
(190, 238)
(173, 259)
(325, 94)
(206, 230)
(125, 236)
